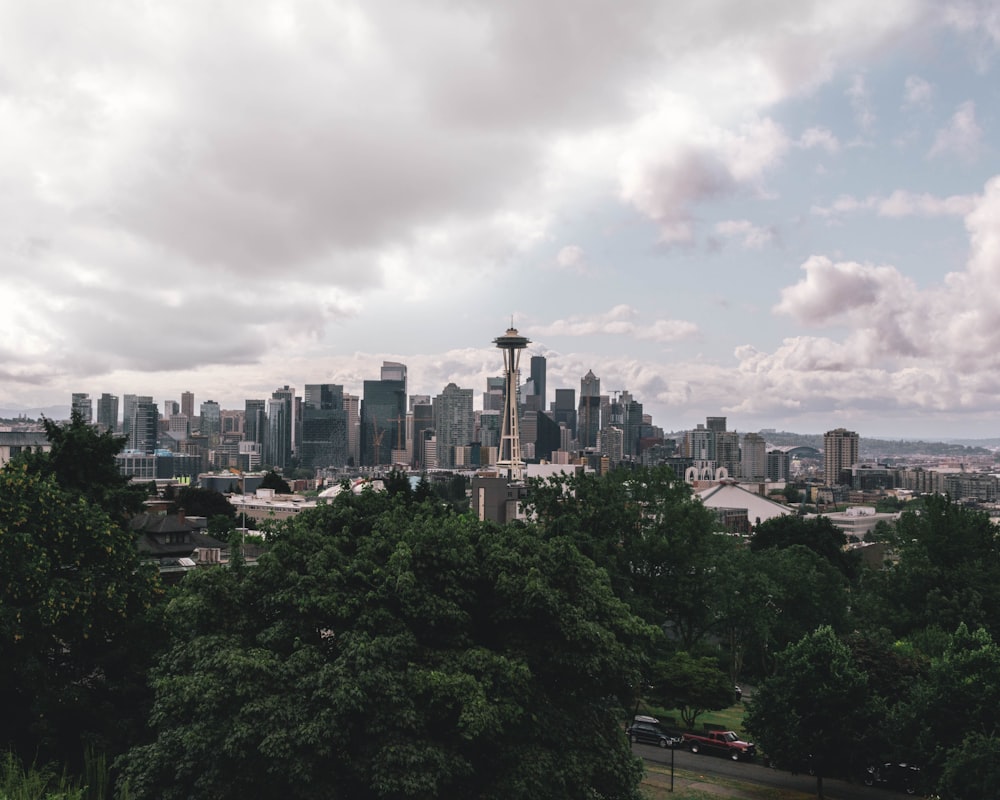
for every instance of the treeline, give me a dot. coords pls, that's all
(387, 645)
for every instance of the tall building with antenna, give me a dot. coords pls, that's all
(509, 463)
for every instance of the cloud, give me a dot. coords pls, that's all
(819, 137)
(962, 136)
(572, 258)
(753, 237)
(618, 321)
(860, 99)
(899, 204)
(917, 93)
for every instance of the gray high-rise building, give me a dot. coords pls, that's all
(278, 439)
(144, 429)
(83, 406)
(255, 421)
(564, 408)
(383, 416)
(129, 403)
(534, 399)
(753, 457)
(107, 413)
(422, 430)
(588, 421)
(324, 427)
(727, 452)
(187, 404)
(211, 420)
(454, 423)
(840, 453)
(493, 396)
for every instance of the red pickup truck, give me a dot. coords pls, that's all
(726, 743)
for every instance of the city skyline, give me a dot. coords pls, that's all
(786, 214)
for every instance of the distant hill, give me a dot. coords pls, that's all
(886, 447)
(57, 413)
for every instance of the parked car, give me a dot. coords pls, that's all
(901, 777)
(651, 733)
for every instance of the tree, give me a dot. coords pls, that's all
(804, 591)
(692, 685)
(656, 542)
(948, 573)
(972, 770)
(386, 650)
(819, 534)
(272, 480)
(76, 634)
(952, 706)
(82, 461)
(814, 708)
(198, 502)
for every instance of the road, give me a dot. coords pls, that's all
(754, 772)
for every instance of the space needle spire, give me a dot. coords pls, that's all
(509, 460)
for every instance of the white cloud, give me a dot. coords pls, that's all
(962, 136)
(861, 103)
(901, 203)
(752, 236)
(571, 257)
(618, 321)
(819, 137)
(917, 93)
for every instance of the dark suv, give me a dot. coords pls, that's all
(651, 733)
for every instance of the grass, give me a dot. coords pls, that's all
(656, 786)
(731, 719)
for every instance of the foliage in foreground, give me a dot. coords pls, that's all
(381, 650)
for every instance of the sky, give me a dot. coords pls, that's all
(785, 213)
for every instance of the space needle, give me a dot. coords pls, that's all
(509, 460)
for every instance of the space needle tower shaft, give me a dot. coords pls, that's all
(509, 460)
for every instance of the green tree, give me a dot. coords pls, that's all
(814, 709)
(656, 542)
(272, 480)
(82, 461)
(198, 502)
(385, 650)
(819, 534)
(76, 634)
(972, 770)
(948, 573)
(804, 591)
(958, 697)
(691, 685)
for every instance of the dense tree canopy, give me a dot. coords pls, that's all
(82, 461)
(380, 650)
(74, 631)
(656, 542)
(948, 572)
(815, 709)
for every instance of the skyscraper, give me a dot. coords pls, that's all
(589, 419)
(840, 453)
(352, 408)
(211, 421)
(83, 406)
(255, 421)
(107, 412)
(145, 426)
(565, 409)
(753, 457)
(454, 422)
(278, 439)
(536, 399)
(383, 416)
(187, 404)
(324, 426)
